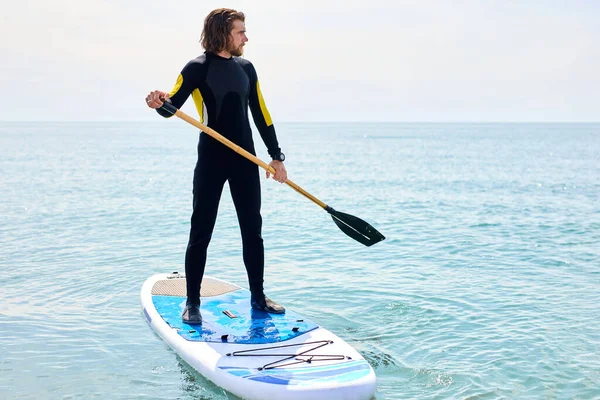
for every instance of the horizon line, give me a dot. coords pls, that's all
(320, 122)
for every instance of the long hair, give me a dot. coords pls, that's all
(217, 27)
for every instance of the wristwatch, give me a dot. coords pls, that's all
(279, 157)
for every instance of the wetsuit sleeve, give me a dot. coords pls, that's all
(184, 86)
(261, 116)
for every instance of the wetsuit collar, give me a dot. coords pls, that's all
(211, 54)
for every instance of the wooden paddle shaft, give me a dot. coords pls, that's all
(211, 132)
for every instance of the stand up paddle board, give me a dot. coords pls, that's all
(253, 354)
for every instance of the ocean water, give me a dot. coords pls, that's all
(487, 286)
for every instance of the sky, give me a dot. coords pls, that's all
(328, 60)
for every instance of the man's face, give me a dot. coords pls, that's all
(237, 38)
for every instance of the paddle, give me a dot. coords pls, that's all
(352, 226)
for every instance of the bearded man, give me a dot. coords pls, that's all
(224, 86)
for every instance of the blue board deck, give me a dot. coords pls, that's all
(247, 326)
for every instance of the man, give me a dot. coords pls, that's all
(223, 86)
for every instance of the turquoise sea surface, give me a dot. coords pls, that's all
(487, 286)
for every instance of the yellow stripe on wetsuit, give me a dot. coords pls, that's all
(196, 95)
(263, 107)
(199, 102)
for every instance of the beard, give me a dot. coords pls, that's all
(237, 51)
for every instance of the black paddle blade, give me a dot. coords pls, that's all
(356, 228)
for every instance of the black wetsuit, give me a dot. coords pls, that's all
(223, 89)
